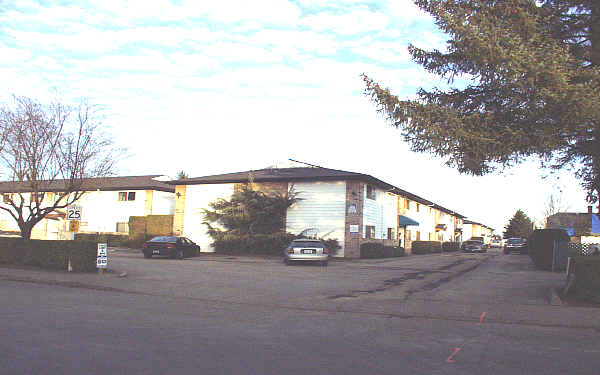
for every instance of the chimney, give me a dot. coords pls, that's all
(590, 209)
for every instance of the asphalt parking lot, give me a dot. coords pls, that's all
(267, 279)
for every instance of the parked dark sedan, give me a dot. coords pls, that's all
(515, 244)
(170, 246)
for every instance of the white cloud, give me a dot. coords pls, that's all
(354, 22)
(385, 52)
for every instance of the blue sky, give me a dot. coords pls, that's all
(223, 86)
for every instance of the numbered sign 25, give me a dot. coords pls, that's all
(74, 213)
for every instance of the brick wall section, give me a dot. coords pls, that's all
(179, 210)
(352, 241)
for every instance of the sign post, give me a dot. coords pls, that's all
(102, 258)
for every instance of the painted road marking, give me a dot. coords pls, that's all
(450, 360)
(481, 318)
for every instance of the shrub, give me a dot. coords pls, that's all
(541, 245)
(49, 254)
(450, 246)
(587, 277)
(426, 247)
(332, 245)
(371, 250)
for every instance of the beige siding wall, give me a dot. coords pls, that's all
(322, 207)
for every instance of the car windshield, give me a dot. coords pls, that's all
(307, 244)
(515, 241)
(164, 239)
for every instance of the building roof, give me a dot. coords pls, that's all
(476, 223)
(89, 184)
(305, 174)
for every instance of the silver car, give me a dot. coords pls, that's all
(306, 250)
(474, 247)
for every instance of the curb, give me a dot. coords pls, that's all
(554, 297)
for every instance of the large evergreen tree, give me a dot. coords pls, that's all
(534, 73)
(520, 225)
(249, 212)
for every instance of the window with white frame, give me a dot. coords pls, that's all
(391, 234)
(126, 196)
(369, 231)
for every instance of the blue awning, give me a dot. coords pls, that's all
(403, 221)
(596, 224)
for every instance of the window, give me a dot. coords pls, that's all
(390, 234)
(418, 207)
(6, 198)
(126, 196)
(369, 231)
(370, 192)
(418, 234)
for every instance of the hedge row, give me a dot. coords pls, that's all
(107, 238)
(255, 244)
(426, 247)
(264, 244)
(587, 277)
(541, 244)
(450, 246)
(52, 255)
(378, 250)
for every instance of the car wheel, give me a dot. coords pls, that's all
(324, 264)
(180, 254)
(286, 261)
(147, 255)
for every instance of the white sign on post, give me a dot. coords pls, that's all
(74, 212)
(102, 258)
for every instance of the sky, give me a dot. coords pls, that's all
(212, 87)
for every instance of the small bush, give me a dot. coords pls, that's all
(541, 244)
(450, 246)
(53, 255)
(587, 277)
(426, 247)
(372, 250)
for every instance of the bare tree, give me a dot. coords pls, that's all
(554, 205)
(50, 151)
